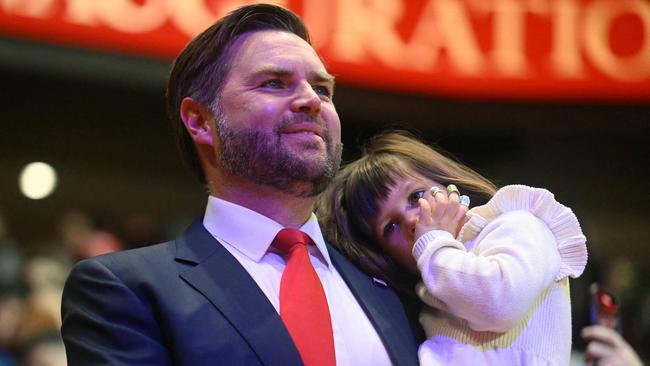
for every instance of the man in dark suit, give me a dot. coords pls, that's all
(252, 106)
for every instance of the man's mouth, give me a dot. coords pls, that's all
(306, 128)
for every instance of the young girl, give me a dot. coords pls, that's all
(494, 279)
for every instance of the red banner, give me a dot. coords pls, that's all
(513, 49)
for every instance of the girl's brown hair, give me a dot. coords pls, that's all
(348, 208)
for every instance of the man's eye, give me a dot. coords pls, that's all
(414, 197)
(322, 90)
(390, 228)
(273, 83)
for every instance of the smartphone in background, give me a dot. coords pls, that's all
(604, 309)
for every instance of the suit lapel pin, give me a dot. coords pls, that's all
(379, 282)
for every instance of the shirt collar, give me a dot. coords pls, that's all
(233, 224)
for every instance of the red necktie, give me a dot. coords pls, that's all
(303, 305)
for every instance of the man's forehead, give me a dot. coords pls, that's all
(271, 41)
(276, 52)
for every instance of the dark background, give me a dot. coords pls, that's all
(99, 119)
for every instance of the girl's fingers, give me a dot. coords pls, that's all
(440, 202)
(425, 211)
(436, 190)
(452, 192)
(424, 221)
(459, 220)
(460, 214)
(449, 218)
(448, 208)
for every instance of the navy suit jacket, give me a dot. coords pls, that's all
(189, 302)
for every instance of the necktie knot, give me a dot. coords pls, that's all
(288, 238)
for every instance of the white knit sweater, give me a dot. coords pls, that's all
(499, 293)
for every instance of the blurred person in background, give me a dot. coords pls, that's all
(11, 257)
(83, 240)
(619, 334)
(11, 308)
(46, 349)
(141, 229)
(39, 318)
(630, 286)
(251, 102)
(11, 294)
(44, 276)
(607, 348)
(30, 303)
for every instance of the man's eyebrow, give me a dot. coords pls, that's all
(277, 71)
(322, 76)
(269, 70)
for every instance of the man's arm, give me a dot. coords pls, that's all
(105, 322)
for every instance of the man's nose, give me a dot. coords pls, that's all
(306, 100)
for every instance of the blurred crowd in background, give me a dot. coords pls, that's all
(32, 279)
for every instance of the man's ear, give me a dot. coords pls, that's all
(198, 121)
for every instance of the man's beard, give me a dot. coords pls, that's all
(263, 159)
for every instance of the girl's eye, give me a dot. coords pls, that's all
(414, 197)
(273, 84)
(390, 228)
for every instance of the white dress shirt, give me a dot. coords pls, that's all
(247, 235)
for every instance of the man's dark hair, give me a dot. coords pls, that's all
(199, 71)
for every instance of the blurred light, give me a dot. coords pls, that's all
(37, 180)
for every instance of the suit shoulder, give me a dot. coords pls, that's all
(151, 257)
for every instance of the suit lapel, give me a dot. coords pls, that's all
(382, 308)
(227, 285)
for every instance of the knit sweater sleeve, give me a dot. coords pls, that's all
(510, 251)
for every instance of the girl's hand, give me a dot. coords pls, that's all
(442, 210)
